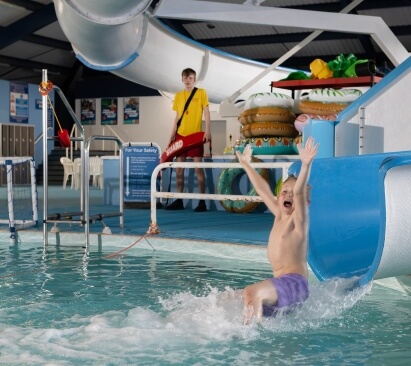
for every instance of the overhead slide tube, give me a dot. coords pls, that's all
(166, 53)
(105, 34)
(141, 49)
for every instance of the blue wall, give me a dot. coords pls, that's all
(34, 118)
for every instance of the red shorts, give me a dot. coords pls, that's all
(195, 152)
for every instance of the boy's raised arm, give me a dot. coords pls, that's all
(307, 154)
(260, 184)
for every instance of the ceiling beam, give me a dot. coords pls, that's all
(288, 37)
(333, 7)
(272, 38)
(28, 64)
(247, 14)
(28, 25)
(49, 42)
(26, 4)
(337, 6)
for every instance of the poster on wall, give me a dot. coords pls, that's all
(109, 111)
(39, 105)
(131, 111)
(88, 111)
(19, 102)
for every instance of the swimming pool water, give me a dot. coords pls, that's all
(62, 307)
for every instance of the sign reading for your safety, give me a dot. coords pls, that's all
(139, 163)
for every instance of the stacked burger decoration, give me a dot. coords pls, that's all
(324, 104)
(267, 123)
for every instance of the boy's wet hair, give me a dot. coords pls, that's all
(290, 176)
(188, 72)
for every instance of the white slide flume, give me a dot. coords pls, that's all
(117, 36)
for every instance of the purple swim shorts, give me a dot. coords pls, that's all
(292, 289)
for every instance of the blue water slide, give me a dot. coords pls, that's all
(359, 216)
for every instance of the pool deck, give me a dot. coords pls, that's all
(212, 226)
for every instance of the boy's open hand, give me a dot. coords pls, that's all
(308, 152)
(245, 157)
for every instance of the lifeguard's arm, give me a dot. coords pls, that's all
(307, 154)
(207, 132)
(174, 129)
(260, 184)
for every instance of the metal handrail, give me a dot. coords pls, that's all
(85, 178)
(45, 154)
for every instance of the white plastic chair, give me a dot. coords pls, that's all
(77, 173)
(68, 166)
(96, 171)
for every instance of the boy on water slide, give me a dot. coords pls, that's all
(287, 244)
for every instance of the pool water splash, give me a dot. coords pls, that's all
(186, 323)
(164, 309)
(328, 302)
(218, 314)
(215, 315)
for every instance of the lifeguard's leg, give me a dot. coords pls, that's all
(255, 296)
(200, 176)
(180, 176)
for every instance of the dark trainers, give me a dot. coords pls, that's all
(176, 205)
(201, 207)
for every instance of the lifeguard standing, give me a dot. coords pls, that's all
(190, 105)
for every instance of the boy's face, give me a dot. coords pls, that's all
(189, 80)
(286, 197)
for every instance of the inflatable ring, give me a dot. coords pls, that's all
(267, 145)
(321, 108)
(269, 100)
(228, 183)
(269, 114)
(257, 129)
(328, 100)
(329, 95)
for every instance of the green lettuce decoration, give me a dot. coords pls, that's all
(296, 75)
(344, 66)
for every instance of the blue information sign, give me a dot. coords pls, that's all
(139, 164)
